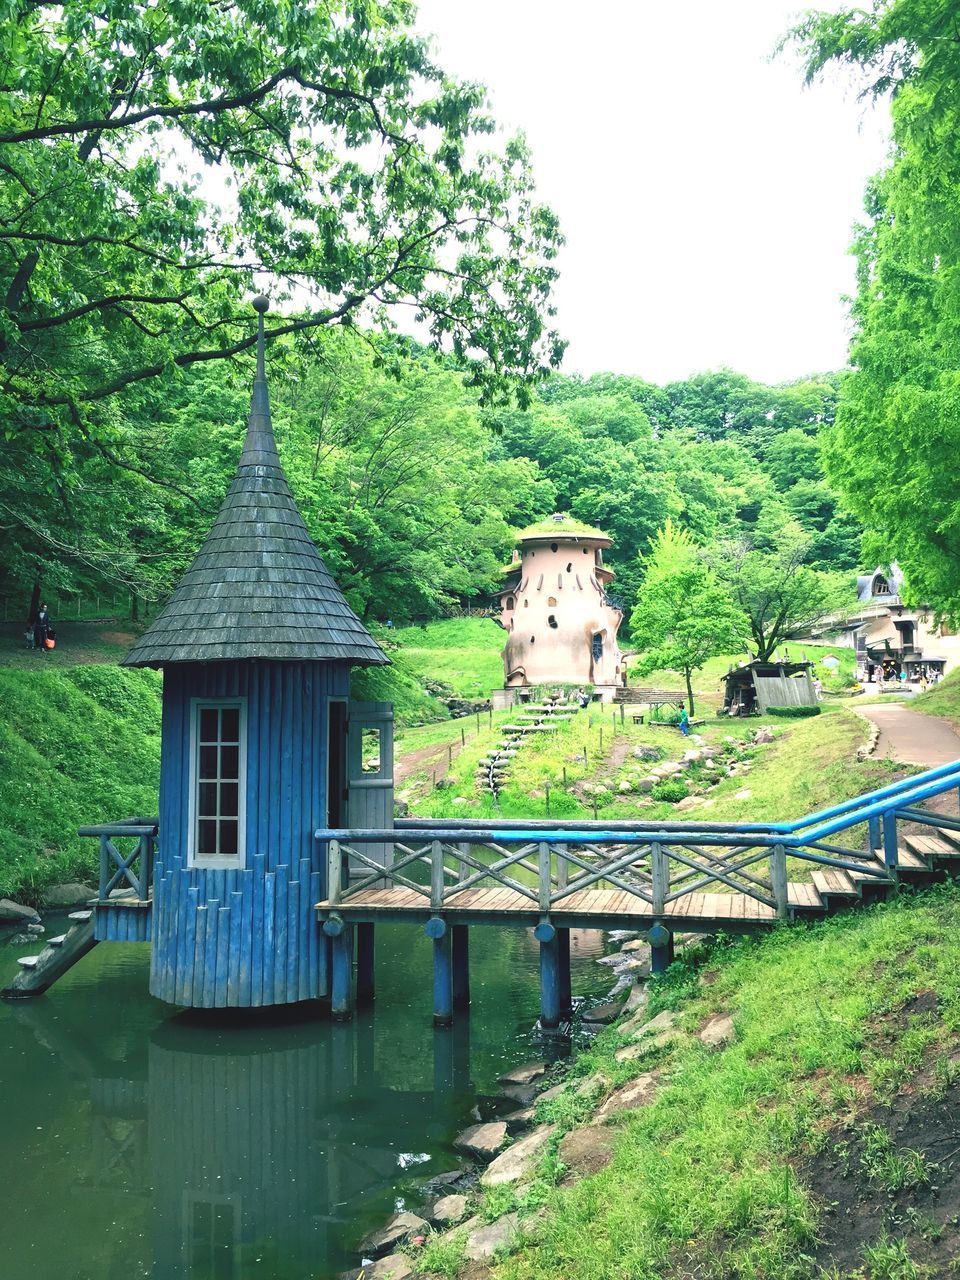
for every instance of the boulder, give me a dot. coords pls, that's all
(718, 1031)
(586, 1151)
(521, 1094)
(401, 809)
(625, 786)
(548, 1095)
(688, 802)
(484, 1242)
(400, 1226)
(763, 736)
(691, 757)
(394, 1267)
(635, 944)
(516, 1162)
(448, 1211)
(68, 895)
(525, 1074)
(744, 794)
(520, 1119)
(16, 913)
(646, 784)
(635, 1093)
(603, 1013)
(482, 1140)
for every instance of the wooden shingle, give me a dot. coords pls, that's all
(257, 587)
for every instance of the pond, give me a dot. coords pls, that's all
(140, 1141)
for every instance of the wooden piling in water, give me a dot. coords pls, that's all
(341, 1004)
(549, 982)
(365, 963)
(443, 980)
(461, 966)
(563, 960)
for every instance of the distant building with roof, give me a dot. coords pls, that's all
(889, 636)
(561, 626)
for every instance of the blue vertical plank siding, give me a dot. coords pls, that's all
(244, 936)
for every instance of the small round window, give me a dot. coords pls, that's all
(553, 546)
(551, 602)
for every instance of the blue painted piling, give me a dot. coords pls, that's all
(341, 1004)
(549, 982)
(890, 840)
(661, 948)
(443, 980)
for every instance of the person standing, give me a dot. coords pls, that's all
(684, 722)
(41, 629)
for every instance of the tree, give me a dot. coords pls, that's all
(346, 169)
(777, 595)
(683, 615)
(891, 450)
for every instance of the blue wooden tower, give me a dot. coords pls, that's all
(256, 646)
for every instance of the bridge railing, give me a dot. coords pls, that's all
(129, 868)
(654, 863)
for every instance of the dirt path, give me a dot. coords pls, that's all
(424, 759)
(910, 737)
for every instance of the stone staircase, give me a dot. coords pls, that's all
(546, 717)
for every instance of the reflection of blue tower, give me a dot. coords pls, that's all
(256, 646)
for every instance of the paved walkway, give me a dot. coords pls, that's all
(910, 737)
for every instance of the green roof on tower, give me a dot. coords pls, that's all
(563, 526)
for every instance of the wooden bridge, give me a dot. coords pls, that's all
(658, 878)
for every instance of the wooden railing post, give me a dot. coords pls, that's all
(147, 844)
(873, 834)
(104, 866)
(890, 840)
(461, 865)
(660, 872)
(563, 867)
(778, 877)
(334, 873)
(544, 885)
(436, 875)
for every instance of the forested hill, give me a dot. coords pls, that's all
(409, 487)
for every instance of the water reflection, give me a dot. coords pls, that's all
(183, 1148)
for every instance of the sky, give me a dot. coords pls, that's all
(707, 197)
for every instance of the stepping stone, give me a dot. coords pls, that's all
(27, 962)
(604, 1013)
(525, 1074)
(58, 941)
(400, 1226)
(517, 1161)
(633, 1094)
(80, 915)
(718, 1031)
(448, 1211)
(483, 1140)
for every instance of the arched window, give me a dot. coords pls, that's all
(526, 604)
(551, 602)
(880, 585)
(509, 602)
(533, 639)
(553, 546)
(569, 568)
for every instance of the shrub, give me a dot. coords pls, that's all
(793, 713)
(670, 790)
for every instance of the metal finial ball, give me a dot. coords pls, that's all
(261, 303)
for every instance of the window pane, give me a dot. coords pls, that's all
(208, 724)
(208, 837)
(370, 748)
(230, 762)
(208, 799)
(208, 762)
(230, 724)
(228, 837)
(229, 800)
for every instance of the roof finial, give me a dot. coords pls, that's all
(260, 304)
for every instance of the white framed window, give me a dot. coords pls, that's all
(218, 763)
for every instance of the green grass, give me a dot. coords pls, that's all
(941, 699)
(81, 745)
(708, 1170)
(462, 653)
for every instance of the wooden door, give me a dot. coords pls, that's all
(370, 772)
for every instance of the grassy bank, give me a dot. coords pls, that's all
(80, 745)
(818, 1142)
(941, 699)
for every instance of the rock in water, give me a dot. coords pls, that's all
(483, 1140)
(16, 912)
(514, 1163)
(448, 1211)
(68, 895)
(395, 1232)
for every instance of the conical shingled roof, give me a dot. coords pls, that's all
(258, 587)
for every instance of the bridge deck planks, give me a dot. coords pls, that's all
(598, 908)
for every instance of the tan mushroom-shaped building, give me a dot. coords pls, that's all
(562, 628)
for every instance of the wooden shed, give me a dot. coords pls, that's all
(260, 747)
(753, 687)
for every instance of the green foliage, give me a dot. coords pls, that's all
(890, 451)
(670, 791)
(83, 746)
(793, 713)
(683, 615)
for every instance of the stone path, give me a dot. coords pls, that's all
(910, 737)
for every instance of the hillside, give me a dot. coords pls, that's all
(810, 1134)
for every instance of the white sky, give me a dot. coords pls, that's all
(706, 196)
